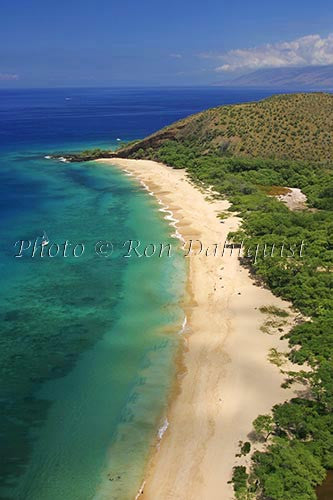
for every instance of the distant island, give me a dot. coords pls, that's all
(308, 77)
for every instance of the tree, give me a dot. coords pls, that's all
(264, 425)
(288, 471)
(245, 448)
(240, 483)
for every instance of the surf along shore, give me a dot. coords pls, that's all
(226, 380)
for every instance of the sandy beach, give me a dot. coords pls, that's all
(228, 379)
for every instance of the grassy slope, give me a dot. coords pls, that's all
(291, 126)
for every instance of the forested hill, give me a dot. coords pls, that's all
(290, 126)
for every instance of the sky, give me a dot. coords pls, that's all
(73, 43)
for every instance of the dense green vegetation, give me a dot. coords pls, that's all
(299, 433)
(86, 155)
(92, 153)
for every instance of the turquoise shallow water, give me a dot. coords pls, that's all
(87, 343)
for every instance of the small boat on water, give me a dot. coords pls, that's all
(45, 239)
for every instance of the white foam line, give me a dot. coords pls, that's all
(183, 328)
(142, 487)
(172, 222)
(170, 217)
(128, 173)
(162, 430)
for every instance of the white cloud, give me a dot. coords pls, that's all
(176, 56)
(311, 50)
(8, 76)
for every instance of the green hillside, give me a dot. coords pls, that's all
(289, 126)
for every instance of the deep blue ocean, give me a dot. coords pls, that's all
(87, 345)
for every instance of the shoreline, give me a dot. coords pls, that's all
(222, 387)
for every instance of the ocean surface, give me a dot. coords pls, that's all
(88, 342)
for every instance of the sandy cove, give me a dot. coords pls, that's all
(228, 379)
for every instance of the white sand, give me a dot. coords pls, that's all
(228, 379)
(294, 199)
